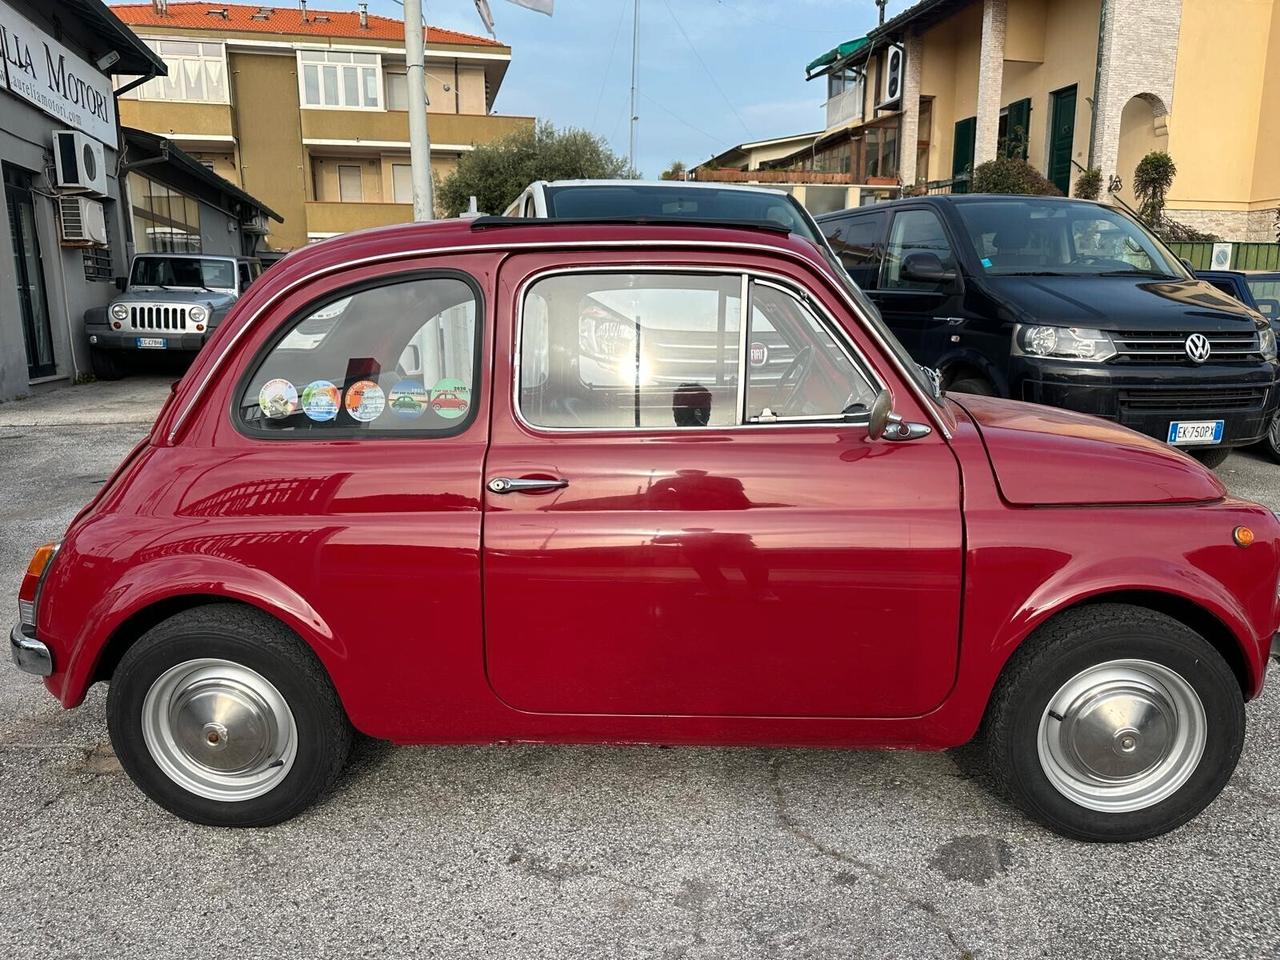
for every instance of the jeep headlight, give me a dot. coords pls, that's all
(198, 314)
(1267, 344)
(1062, 343)
(121, 312)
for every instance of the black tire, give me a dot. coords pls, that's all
(1058, 652)
(252, 639)
(1270, 444)
(1211, 457)
(972, 384)
(108, 364)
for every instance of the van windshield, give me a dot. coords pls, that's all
(1041, 237)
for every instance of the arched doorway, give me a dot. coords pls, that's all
(1141, 131)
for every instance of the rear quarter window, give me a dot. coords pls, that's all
(393, 359)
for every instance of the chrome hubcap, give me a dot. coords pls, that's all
(219, 729)
(1122, 735)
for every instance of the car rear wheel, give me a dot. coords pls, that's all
(1212, 457)
(223, 716)
(108, 364)
(1114, 723)
(1271, 442)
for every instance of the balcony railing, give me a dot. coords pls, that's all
(844, 107)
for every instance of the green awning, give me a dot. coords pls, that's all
(839, 54)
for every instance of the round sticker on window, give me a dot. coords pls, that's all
(759, 354)
(278, 399)
(320, 399)
(408, 399)
(365, 401)
(450, 398)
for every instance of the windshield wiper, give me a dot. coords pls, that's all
(1137, 273)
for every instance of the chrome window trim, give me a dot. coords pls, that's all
(748, 277)
(927, 403)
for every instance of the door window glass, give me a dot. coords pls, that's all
(859, 243)
(391, 359)
(915, 231)
(796, 367)
(631, 350)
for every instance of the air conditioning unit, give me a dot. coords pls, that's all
(894, 67)
(80, 163)
(83, 221)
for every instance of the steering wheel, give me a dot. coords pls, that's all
(792, 378)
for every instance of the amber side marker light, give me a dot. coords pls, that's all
(40, 559)
(1243, 536)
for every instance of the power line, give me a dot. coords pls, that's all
(678, 119)
(608, 70)
(705, 69)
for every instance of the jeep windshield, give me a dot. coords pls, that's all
(1045, 237)
(183, 273)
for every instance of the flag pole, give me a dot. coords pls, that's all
(635, 43)
(419, 136)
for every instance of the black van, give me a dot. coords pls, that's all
(1064, 302)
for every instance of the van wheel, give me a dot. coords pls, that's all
(108, 364)
(972, 384)
(1114, 723)
(1212, 457)
(1270, 444)
(223, 716)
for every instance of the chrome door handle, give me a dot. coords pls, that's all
(524, 485)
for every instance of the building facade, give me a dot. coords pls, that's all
(308, 109)
(62, 243)
(1067, 85)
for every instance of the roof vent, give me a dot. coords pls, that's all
(320, 18)
(218, 12)
(364, 16)
(262, 13)
(161, 7)
(302, 5)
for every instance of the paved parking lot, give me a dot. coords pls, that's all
(530, 852)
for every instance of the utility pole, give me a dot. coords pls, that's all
(419, 137)
(635, 43)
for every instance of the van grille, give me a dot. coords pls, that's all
(1155, 346)
(157, 316)
(1188, 400)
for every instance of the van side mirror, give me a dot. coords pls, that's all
(925, 268)
(1188, 264)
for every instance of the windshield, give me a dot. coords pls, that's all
(1039, 237)
(190, 272)
(692, 203)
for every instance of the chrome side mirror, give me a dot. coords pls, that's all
(884, 424)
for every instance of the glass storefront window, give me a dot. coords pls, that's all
(164, 220)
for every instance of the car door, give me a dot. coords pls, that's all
(920, 312)
(676, 525)
(858, 240)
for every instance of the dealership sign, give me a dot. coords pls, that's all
(43, 72)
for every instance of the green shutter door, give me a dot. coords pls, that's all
(962, 152)
(1062, 128)
(1018, 128)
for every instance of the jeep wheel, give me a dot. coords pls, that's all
(223, 716)
(1114, 723)
(108, 364)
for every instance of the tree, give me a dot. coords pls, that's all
(1152, 179)
(1011, 175)
(495, 173)
(676, 171)
(1089, 184)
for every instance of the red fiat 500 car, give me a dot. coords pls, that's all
(710, 500)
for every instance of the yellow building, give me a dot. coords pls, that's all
(1068, 85)
(308, 109)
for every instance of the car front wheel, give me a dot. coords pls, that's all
(223, 716)
(1270, 444)
(1114, 723)
(1212, 457)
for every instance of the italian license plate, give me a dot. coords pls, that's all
(1190, 432)
(152, 343)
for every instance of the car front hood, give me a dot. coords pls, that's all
(214, 300)
(1044, 456)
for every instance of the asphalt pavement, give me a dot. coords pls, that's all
(527, 852)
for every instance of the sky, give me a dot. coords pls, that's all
(711, 73)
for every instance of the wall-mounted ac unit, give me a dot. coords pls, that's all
(80, 163)
(891, 80)
(83, 221)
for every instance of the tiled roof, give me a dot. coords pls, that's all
(240, 17)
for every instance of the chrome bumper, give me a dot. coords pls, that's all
(29, 654)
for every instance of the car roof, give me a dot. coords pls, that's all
(667, 184)
(952, 199)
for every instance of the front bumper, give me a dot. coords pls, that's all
(1148, 398)
(29, 654)
(104, 338)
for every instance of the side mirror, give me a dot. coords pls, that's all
(1188, 264)
(1269, 308)
(880, 414)
(925, 268)
(122, 284)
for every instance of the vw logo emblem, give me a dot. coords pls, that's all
(1198, 348)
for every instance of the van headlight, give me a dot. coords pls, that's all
(1062, 343)
(197, 313)
(121, 312)
(1267, 344)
